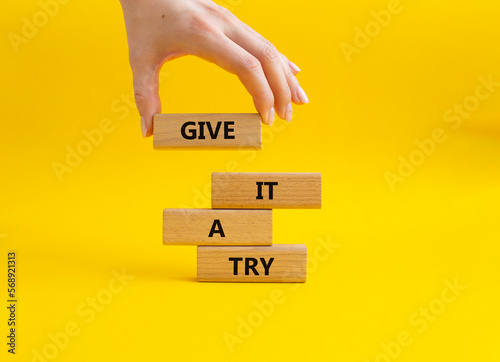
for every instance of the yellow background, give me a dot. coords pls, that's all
(394, 250)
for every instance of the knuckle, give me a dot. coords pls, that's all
(140, 96)
(287, 94)
(135, 59)
(268, 96)
(264, 98)
(270, 52)
(199, 25)
(284, 95)
(251, 64)
(223, 13)
(288, 73)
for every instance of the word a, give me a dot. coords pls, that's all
(216, 229)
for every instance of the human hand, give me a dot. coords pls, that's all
(162, 30)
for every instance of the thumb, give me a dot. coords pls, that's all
(147, 99)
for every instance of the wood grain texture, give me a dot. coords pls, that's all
(234, 190)
(289, 263)
(240, 227)
(246, 130)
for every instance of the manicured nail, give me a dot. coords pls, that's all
(294, 66)
(302, 95)
(288, 112)
(270, 119)
(144, 127)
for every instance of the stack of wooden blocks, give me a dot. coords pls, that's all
(235, 237)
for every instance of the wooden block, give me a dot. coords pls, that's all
(266, 190)
(207, 130)
(276, 263)
(217, 227)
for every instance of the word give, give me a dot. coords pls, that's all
(196, 130)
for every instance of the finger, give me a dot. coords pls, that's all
(293, 67)
(233, 20)
(147, 99)
(219, 49)
(270, 59)
(298, 94)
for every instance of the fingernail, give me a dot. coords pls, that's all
(270, 118)
(288, 112)
(294, 66)
(144, 127)
(302, 95)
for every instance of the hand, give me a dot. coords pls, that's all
(161, 30)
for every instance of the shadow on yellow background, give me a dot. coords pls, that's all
(403, 256)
